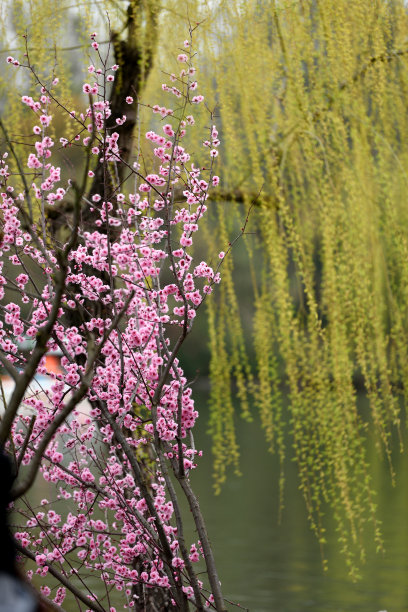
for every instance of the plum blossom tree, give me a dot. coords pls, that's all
(112, 434)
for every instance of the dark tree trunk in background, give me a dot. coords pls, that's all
(134, 55)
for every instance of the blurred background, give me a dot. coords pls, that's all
(300, 360)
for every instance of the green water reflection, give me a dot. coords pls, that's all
(269, 566)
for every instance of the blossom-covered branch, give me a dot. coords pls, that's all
(117, 416)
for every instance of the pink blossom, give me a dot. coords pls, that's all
(168, 130)
(134, 258)
(45, 119)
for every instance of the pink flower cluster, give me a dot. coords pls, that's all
(136, 265)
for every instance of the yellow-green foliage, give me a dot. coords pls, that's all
(310, 98)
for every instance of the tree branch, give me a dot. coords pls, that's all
(63, 580)
(22, 487)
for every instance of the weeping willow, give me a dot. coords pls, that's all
(310, 99)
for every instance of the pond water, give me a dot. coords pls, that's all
(265, 565)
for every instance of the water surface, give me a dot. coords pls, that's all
(267, 566)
